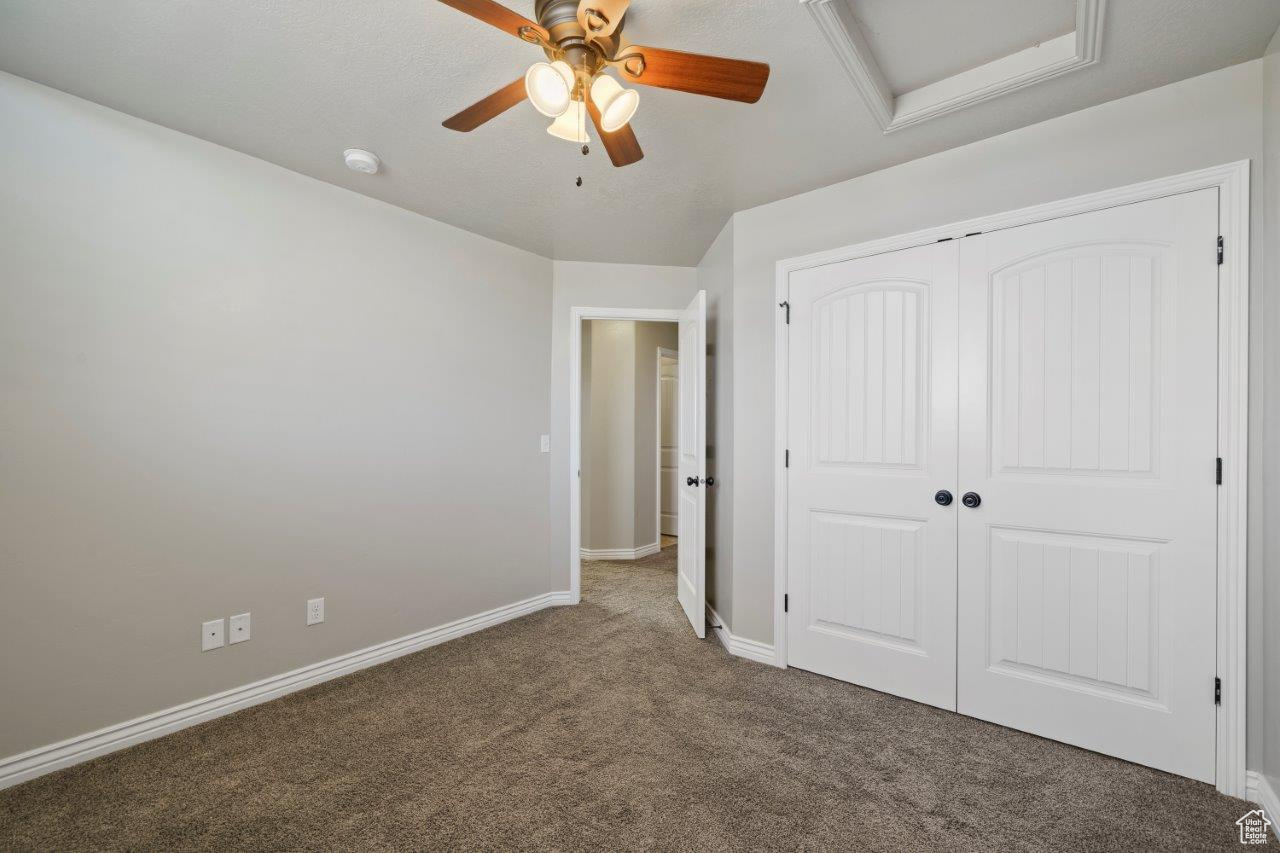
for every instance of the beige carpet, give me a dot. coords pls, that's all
(606, 726)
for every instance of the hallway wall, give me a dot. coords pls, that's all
(619, 435)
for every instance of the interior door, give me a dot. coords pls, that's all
(1088, 371)
(871, 439)
(668, 451)
(691, 561)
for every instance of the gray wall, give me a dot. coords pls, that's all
(609, 435)
(715, 276)
(228, 387)
(1209, 120)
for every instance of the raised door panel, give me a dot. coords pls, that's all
(1079, 612)
(869, 359)
(1076, 353)
(866, 578)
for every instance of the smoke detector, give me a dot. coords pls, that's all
(359, 160)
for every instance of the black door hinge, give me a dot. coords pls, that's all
(1219, 470)
(786, 458)
(1219, 251)
(1217, 691)
(786, 306)
(786, 603)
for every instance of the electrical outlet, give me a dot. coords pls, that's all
(546, 444)
(211, 635)
(315, 611)
(239, 629)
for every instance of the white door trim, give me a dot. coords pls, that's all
(1232, 182)
(576, 316)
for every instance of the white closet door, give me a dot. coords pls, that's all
(1088, 370)
(872, 437)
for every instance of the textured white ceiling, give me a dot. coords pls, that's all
(947, 37)
(297, 81)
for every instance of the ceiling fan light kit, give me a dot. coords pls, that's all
(571, 125)
(616, 104)
(550, 86)
(581, 38)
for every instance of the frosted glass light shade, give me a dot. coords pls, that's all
(571, 124)
(549, 86)
(616, 104)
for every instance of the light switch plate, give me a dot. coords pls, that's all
(315, 611)
(211, 635)
(239, 626)
(546, 444)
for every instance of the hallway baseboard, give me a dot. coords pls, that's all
(45, 759)
(621, 553)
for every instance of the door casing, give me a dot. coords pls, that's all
(1232, 181)
(576, 316)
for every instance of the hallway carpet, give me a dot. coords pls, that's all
(606, 726)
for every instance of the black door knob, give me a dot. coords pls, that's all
(943, 498)
(710, 481)
(971, 499)
(691, 481)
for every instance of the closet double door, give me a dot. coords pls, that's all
(1001, 493)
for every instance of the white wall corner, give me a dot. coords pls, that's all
(1070, 52)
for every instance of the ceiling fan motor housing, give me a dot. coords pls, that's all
(560, 18)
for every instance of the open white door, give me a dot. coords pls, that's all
(691, 562)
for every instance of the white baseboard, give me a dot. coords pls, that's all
(621, 553)
(1259, 791)
(719, 626)
(45, 759)
(740, 646)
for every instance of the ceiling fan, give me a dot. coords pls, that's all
(581, 38)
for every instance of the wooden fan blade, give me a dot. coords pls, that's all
(599, 18)
(491, 107)
(621, 144)
(497, 15)
(733, 79)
